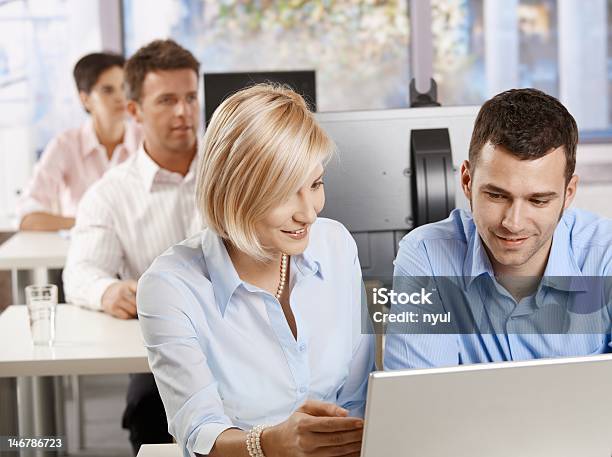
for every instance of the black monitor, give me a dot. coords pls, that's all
(219, 86)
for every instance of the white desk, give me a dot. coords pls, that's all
(159, 450)
(33, 254)
(87, 342)
(30, 256)
(29, 250)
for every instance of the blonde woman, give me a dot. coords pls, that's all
(253, 327)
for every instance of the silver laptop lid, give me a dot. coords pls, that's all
(547, 407)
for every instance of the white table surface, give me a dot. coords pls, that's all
(28, 250)
(87, 342)
(159, 450)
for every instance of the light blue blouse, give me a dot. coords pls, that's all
(222, 352)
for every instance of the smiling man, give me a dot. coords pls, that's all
(140, 209)
(523, 266)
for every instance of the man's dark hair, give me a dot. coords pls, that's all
(89, 68)
(529, 124)
(157, 55)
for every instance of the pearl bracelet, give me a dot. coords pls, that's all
(253, 442)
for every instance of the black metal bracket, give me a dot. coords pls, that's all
(420, 100)
(432, 176)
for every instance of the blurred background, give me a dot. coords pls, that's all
(360, 50)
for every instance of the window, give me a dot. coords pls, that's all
(350, 44)
(564, 48)
(360, 48)
(38, 99)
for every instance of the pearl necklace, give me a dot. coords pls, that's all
(283, 275)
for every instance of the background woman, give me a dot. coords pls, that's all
(76, 158)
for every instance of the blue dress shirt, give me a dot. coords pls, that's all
(581, 250)
(222, 352)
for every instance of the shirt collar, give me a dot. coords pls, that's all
(151, 173)
(147, 167)
(562, 271)
(223, 275)
(306, 264)
(476, 261)
(89, 138)
(132, 138)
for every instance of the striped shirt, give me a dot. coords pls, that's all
(69, 165)
(125, 220)
(581, 251)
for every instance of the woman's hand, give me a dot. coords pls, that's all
(316, 429)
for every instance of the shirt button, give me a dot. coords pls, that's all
(302, 390)
(302, 347)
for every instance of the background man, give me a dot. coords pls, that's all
(141, 208)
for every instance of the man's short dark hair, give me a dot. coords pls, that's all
(157, 55)
(89, 68)
(529, 124)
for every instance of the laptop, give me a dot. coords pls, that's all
(547, 407)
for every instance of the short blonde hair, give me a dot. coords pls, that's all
(261, 145)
